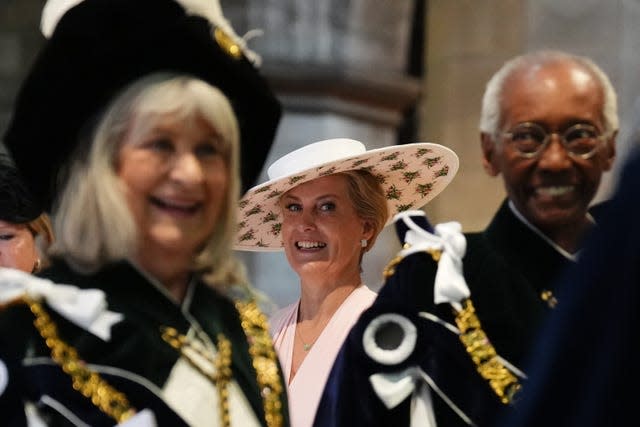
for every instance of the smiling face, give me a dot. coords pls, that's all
(176, 179)
(17, 247)
(321, 230)
(553, 189)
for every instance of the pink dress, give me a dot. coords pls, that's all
(305, 390)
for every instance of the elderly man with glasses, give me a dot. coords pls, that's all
(548, 126)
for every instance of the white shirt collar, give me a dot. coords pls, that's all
(561, 251)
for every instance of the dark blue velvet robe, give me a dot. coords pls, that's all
(584, 369)
(349, 399)
(143, 360)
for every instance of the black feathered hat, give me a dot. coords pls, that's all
(16, 202)
(100, 46)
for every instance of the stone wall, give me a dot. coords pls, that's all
(20, 39)
(339, 66)
(468, 40)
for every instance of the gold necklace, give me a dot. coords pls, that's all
(85, 380)
(264, 360)
(221, 361)
(305, 346)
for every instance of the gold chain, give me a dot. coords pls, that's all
(306, 347)
(255, 326)
(504, 384)
(110, 401)
(222, 363)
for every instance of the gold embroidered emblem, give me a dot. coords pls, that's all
(227, 44)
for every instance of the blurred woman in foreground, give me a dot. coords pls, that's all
(147, 329)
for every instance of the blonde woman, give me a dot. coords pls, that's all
(325, 205)
(147, 328)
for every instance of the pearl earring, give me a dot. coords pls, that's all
(364, 243)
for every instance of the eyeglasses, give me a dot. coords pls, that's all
(529, 140)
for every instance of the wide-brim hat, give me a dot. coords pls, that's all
(99, 47)
(411, 175)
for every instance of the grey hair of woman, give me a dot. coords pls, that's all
(92, 220)
(491, 114)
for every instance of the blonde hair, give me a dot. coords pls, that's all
(41, 226)
(93, 223)
(42, 231)
(369, 201)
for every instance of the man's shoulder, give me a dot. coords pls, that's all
(480, 251)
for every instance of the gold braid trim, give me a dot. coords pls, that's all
(390, 268)
(503, 382)
(484, 356)
(109, 400)
(255, 326)
(192, 349)
(227, 44)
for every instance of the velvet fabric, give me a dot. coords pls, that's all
(349, 399)
(136, 360)
(583, 369)
(101, 46)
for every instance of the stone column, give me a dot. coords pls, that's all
(20, 39)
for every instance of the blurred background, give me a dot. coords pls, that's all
(391, 72)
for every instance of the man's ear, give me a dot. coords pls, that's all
(489, 154)
(610, 147)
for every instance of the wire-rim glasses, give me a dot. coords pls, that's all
(530, 140)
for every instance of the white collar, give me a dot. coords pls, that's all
(560, 250)
(86, 308)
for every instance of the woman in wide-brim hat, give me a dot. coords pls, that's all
(325, 205)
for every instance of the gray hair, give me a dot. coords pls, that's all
(93, 223)
(491, 114)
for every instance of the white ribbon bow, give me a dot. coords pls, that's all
(86, 308)
(450, 285)
(393, 388)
